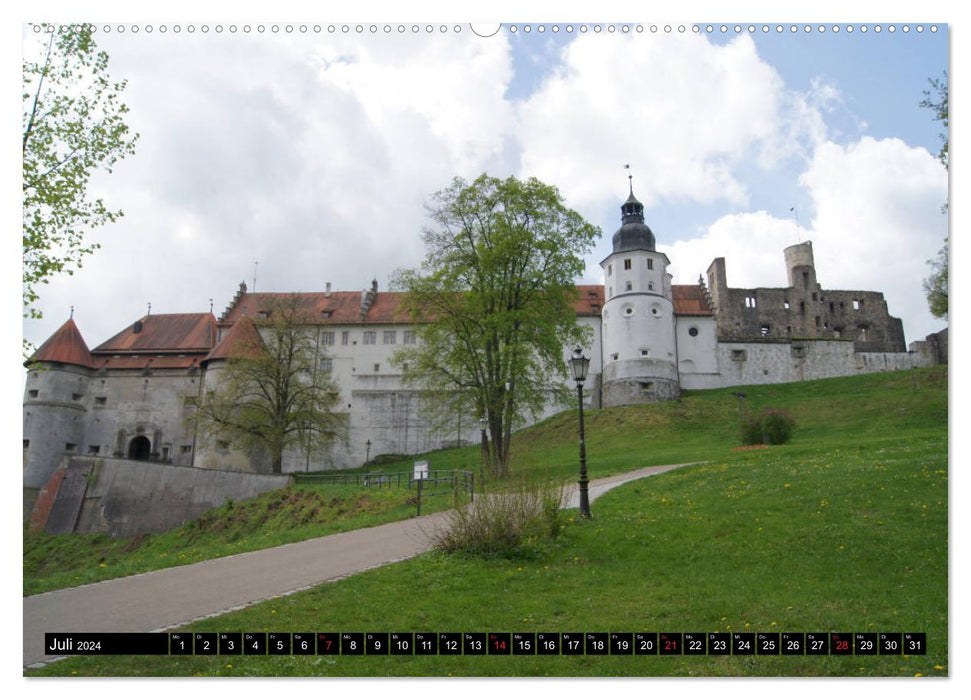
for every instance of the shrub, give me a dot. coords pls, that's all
(777, 426)
(504, 524)
(772, 427)
(751, 431)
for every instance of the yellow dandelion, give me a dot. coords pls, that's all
(938, 668)
(229, 665)
(918, 675)
(102, 565)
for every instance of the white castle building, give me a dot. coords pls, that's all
(134, 395)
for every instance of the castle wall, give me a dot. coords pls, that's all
(125, 498)
(802, 360)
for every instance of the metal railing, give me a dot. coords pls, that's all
(439, 481)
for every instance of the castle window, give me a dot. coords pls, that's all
(857, 304)
(645, 353)
(738, 355)
(610, 291)
(788, 330)
(185, 449)
(650, 263)
(326, 364)
(26, 443)
(650, 286)
(802, 307)
(765, 330)
(70, 447)
(615, 356)
(377, 367)
(785, 304)
(798, 351)
(818, 322)
(390, 337)
(647, 386)
(805, 279)
(264, 314)
(94, 449)
(832, 307)
(749, 302)
(628, 286)
(32, 394)
(627, 263)
(370, 337)
(693, 331)
(345, 336)
(410, 338)
(327, 337)
(100, 400)
(814, 296)
(610, 270)
(77, 397)
(863, 337)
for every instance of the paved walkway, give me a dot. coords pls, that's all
(169, 598)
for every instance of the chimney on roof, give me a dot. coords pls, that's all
(137, 328)
(327, 292)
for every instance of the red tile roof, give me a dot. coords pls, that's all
(241, 340)
(167, 333)
(336, 307)
(690, 300)
(66, 346)
(343, 308)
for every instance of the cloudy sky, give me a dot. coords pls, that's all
(306, 156)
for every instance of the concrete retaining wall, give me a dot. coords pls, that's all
(125, 498)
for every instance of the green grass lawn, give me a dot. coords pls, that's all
(844, 529)
(271, 519)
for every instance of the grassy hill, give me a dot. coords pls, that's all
(843, 529)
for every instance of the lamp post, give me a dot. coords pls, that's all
(367, 459)
(483, 424)
(579, 364)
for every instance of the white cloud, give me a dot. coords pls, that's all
(877, 221)
(684, 112)
(312, 154)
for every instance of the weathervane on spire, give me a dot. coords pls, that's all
(630, 178)
(72, 310)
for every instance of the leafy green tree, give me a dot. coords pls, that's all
(935, 286)
(274, 392)
(936, 101)
(493, 303)
(73, 125)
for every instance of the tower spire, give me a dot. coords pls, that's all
(630, 178)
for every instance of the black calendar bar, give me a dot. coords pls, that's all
(488, 643)
(98, 644)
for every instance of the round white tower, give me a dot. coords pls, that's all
(639, 348)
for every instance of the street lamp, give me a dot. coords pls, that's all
(579, 364)
(367, 459)
(483, 424)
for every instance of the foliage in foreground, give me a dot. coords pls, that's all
(73, 126)
(505, 524)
